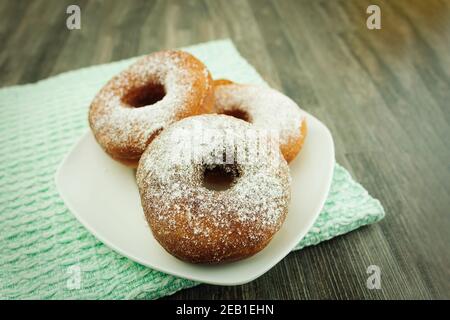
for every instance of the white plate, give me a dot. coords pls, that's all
(103, 195)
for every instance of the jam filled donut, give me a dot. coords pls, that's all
(205, 207)
(265, 108)
(155, 91)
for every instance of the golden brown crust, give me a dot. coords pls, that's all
(228, 246)
(222, 82)
(124, 131)
(207, 105)
(291, 149)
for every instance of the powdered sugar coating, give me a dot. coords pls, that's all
(267, 108)
(202, 225)
(124, 131)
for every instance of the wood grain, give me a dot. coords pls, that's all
(384, 94)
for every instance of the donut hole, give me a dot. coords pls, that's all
(145, 95)
(220, 177)
(237, 113)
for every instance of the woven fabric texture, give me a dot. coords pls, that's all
(40, 239)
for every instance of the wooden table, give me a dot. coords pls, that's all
(384, 94)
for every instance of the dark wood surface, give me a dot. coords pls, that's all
(384, 94)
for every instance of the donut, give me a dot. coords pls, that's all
(205, 197)
(137, 104)
(266, 108)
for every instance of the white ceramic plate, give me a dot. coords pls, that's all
(103, 195)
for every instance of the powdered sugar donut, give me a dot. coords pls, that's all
(204, 207)
(266, 108)
(155, 91)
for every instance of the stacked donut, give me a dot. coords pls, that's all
(211, 156)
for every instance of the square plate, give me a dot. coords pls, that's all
(104, 197)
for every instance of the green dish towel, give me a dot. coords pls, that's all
(40, 240)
